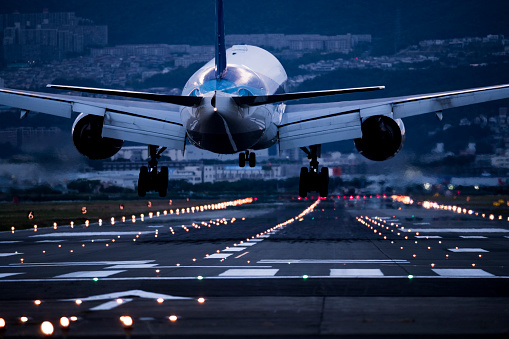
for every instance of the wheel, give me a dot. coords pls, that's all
(303, 186)
(323, 184)
(142, 181)
(242, 159)
(252, 159)
(162, 181)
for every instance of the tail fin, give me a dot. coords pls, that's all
(220, 44)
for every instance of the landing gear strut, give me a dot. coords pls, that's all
(312, 179)
(247, 156)
(150, 179)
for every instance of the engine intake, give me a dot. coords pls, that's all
(87, 138)
(382, 138)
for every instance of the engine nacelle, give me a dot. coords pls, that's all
(87, 138)
(382, 137)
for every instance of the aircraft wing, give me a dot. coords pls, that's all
(312, 124)
(152, 123)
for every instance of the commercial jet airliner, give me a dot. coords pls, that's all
(237, 103)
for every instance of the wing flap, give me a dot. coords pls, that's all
(36, 102)
(145, 130)
(319, 131)
(434, 103)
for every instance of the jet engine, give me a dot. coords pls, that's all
(88, 140)
(382, 137)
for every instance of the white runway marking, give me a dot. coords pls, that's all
(10, 242)
(121, 267)
(234, 249)
(9, 254)
(421, 223)
(462, 272)
(48, 241)
(250, 272)
(258, 240)
(356, 272)
(82, 263)
(248, 244)
(87, 234)
(109, 305)
(467, 250)
(130, 293)
(89, 274)
(264, 236)
(456, 230)
(3, 275)
(428, 237)
(473, 237)
(333, 261)
(218, 256)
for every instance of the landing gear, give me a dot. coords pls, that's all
(250, 157)
(312, 179)
(150, 179)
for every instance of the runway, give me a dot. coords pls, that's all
(349, 267)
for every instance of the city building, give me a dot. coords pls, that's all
(44, 37)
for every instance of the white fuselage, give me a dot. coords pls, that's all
(218, 124)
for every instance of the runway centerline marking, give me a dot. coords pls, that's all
(88, 234)
(462, 272)
(9, 254)
(218, 256)
(456, 230)
(121, 267)
(82, 263)
(333, 261)
(89, 274)
(473, 237)
(249, 272)
(3, 275)
(10, 241)
(356, 272)
(467, 250)
(428, 237)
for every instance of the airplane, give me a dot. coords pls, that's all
(237, 103)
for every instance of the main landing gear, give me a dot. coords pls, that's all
(150, 179)
(250, 157)
(312, 179)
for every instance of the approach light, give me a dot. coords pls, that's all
(47, 328)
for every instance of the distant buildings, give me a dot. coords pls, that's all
(44, 37)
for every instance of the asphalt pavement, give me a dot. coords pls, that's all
(333, 267)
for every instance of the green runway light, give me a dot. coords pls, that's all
(95, 279)
(305, 276)
(410, 276)
(200, 277)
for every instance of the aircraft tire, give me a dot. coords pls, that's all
(324, 182)
(163, 181)
(242, 159)
(303, 182)
(252, 159)
(142, 181)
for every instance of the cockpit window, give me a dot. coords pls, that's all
(194, 93)
(237, 80)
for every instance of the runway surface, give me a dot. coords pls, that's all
(349, 267)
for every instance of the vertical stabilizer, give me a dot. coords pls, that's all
(220, 44)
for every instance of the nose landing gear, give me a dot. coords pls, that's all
(312, 179)
(149, 179)
(247, 156)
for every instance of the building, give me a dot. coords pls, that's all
(44, 37)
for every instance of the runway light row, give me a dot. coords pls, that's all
(269, 230)
(452, 208)
(383, 225)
